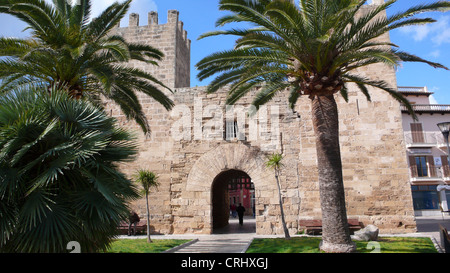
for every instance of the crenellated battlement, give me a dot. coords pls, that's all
(171, 38)
(153, 20)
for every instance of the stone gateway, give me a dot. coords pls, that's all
(202, 144)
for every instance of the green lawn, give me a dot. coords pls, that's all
(280, 245)
(141, 245)
(311, 245)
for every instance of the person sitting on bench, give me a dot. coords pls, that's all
(134, 219)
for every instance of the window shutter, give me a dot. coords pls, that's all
(413, 166)
(445, 166)
(417, 133)
(430, 161)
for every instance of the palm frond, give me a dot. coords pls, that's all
(325, 40)
(109, 18)
(407, 57)
(268, 92)
(363, 81)
(67, 49)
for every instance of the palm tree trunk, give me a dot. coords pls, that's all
(149, 240)
(286, 231)
(335, 231)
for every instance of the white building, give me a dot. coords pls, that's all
(426, 151)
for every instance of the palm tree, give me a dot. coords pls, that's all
(147, 180)
(312, 49)
(274, 162)
(59, 176)
(69, 50)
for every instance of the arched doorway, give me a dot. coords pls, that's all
(228, 188)
(206, 170)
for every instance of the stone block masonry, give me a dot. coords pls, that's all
(375, 170)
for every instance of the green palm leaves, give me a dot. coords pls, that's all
(58, 173)
(69, 50)
(274, 162)
(147, 180)
(314, 48)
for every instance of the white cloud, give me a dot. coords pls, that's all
(433, 89)
(442, 33)
(438, 32)
(142, 7)
(137, 6)
(435, 54)
(433, 100)
(418, 32)
(99, 5)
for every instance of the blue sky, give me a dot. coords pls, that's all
(431, 42)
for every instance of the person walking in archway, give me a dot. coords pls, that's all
(233, 210)
(240, 210)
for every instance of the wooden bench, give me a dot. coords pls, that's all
(314, 227)
(445, 239)
(141, 227)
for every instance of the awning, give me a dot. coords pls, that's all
(443, 187)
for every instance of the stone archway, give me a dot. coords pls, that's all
(228, 185)
(229, 156)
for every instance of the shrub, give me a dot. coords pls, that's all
(59, 179)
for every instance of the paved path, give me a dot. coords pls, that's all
(231, 239)
(216, 245)
(430, 225)
(236, 239)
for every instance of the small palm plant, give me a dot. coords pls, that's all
(69, 50)
(147, 180)
(59, 180)
(274, 162)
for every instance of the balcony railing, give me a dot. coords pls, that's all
(424, 139)
(427, 108)
(430, 172)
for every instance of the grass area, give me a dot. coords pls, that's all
(311, 245)
(141, 245)
(280, 245)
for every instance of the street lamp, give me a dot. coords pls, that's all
(445, 129)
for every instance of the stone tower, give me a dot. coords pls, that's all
(170, 38)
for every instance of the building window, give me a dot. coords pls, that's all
(422, 168)
(425, 197)
(231, 130)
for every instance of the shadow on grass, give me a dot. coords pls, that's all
(141, 245)
(311, 245)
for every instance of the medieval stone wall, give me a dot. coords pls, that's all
(187, 150)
